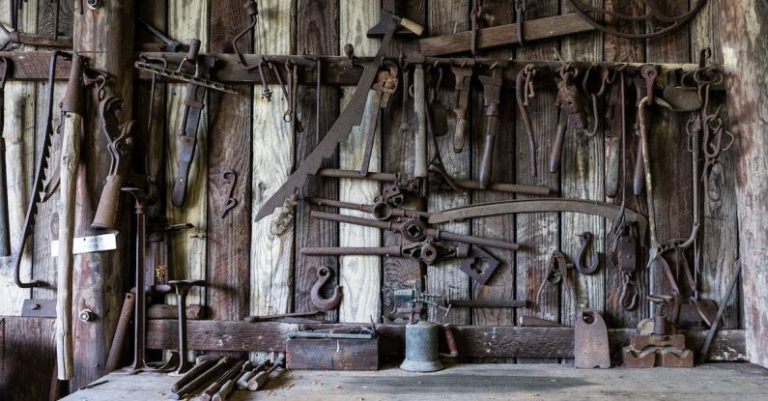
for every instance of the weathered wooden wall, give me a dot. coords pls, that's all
(256, 268)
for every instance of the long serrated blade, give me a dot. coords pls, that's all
(182, 76)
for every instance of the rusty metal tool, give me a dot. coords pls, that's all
(384, 87)
(557, 273)
(169, 45)
(5, 230)
(604, 75)
(571, 105)
(118, 341)
(36, 195)
(182, 288)
(586, 239)
(659, 22)
(27, 39)
(219, 384)
(485, 303)
(463, 76)
(524, 91)
(324, 274)
(255, 319)
(644, 86)
(415, 230)
(349, 117)
(202, 364)
(591, 347)
(479, 265)
(491, 98)
(197, 382)
(72, 120)
(489, 209)
(245, 377)
(624, 255)
(520, 8)
(120, 138)
(428, 251)
(616, 138)
(140, 318)
(229, 177)
(381, 210)
(261, 379)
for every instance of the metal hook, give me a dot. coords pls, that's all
(586, 239)
(324, 274)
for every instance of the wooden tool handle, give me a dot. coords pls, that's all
(419, 104)
(638, 180)
(106, 217)
(70, 158)
(612, 165)
(460, 135)
(557, 147)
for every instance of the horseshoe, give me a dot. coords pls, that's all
(323, 275)
(585, 239)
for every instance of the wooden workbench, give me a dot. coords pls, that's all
(465, 382)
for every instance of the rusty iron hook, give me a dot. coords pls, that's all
(324, 274)
(586, 239)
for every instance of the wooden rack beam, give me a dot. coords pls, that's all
(472, 341)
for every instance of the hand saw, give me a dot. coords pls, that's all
(350, 117)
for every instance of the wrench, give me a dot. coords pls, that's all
(169, 45)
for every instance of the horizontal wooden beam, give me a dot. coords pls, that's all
(472, 341)
(549, 27)
(34, 66)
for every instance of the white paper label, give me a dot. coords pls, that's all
(99, 243)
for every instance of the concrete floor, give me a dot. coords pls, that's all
(730, 382)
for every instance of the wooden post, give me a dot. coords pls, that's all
(743, 35)
(105, 37)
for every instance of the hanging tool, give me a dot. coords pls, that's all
(652, 14)
(586, 239)
(604, 75)
(419, 106)
(428, 251)
(72, 120)
(169, 45)
(557, 273)
(5, 230)
(524, 91)
(520, 8)
(591, 348)
(492, 98)
(616, 137)
(384, 88)
(644, 86)
(230, 182)
(121, 142)
(463, 76)
(571, 106)
(325, 274)
(349, 117)
(41, 171)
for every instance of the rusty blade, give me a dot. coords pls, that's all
(591, 341)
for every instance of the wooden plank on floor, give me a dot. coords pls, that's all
(620, 49)
(188, 20)
(720, 236)
(502, 284)
(360, 276)
(446, 278)
(273, 142)
(19, 141)
(229, 152)
(321, 37)
(582, 177)
(537, 232)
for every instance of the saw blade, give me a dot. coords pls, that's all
(182, 76)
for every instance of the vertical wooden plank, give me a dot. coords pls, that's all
(398, 156)
(743, 37)
(720, 240)
(188, 20)
(319, 36)
(619, 50)
(670, 159)
(273, 142)
(28, 354)
(99, 278)
(582, 178)
(359, 275)
(229, 149)
(19, 142)
(446, 278)
(502, 285)
(539, 232)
